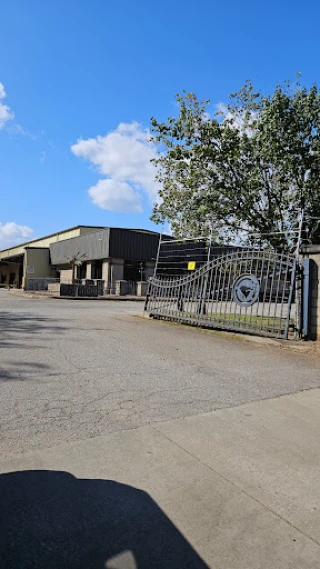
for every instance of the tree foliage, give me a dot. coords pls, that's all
(249, 169)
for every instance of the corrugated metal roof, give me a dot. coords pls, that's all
(94, 227)
(116, 243)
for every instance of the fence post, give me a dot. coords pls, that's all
(312, 254)
(305, 304)
(142, 288)
(121, 288)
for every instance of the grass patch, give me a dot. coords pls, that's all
(272, 321)
(243, 321)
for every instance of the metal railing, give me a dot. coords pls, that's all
(39, 284)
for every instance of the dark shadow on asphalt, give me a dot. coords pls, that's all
(24, 325)
(52, 520)
(16, 330)
(22, 371)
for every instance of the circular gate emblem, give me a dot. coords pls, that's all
(246, 290)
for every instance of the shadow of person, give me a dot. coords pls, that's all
(52, 520)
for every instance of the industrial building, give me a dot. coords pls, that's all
(105, 253)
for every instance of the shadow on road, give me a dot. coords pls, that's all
(16, 327)
(22, 371)
(53, 520)
(16, 331)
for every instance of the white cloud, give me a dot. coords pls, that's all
(226, 115)
(123, 156)
(12, 234)
(114, 195)
(237, 119)
(222, 108)
(15, 128)
(2, 91)
(5, 113)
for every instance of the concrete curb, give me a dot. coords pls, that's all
(45, 296)
(103, 298)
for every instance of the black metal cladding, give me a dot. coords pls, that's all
(174, 256)
(115, 243)
(134, 245)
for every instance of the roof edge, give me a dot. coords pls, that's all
(97, 227)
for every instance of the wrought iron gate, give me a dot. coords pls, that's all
(239, 289)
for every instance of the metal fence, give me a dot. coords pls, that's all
(240, 289)
(132, 288)
(78, 290)
(39, 284)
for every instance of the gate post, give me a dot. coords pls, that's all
(305, 304)
(312, 254)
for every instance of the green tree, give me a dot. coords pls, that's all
(249, 169)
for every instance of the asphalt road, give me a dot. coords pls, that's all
(73, 370)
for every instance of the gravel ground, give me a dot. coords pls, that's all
(72, 370)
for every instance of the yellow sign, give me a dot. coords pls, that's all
(191, 265)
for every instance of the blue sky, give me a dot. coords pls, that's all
(80, 80)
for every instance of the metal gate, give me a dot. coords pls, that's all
(247, 290)
(132, 288)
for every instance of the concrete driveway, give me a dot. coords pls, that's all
(170, 447)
